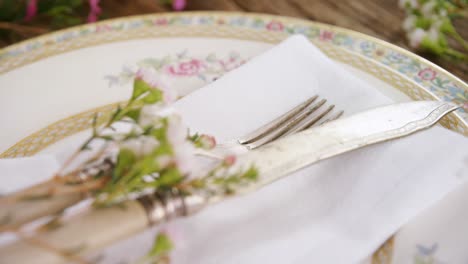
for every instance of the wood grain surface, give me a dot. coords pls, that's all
(378, 18)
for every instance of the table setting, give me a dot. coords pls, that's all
(309, 143)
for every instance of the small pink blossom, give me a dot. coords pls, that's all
(229, 160)
(275, 26)
(326, 35)
(178, 5)
(95, 10)
(207, 142)
(31, 10)
(427, 74)
(465, 106)
(188, 68)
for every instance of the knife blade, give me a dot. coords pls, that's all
(274, 161)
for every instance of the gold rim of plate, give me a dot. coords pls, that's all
(415, 76)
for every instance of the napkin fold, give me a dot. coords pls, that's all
(338, 211)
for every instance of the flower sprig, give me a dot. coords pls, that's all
(429, 25)
(145, 148)
(157, 153)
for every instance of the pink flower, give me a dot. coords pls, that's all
(326, 35)
(229, 160)
(160, 21)
(178, 5)
(427, 74)
(156, 81)
(188, 68)
(465, 106)
(103, 28)
(95, 10)
(275, 26)
(31, 10)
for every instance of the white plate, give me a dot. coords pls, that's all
(51, 86)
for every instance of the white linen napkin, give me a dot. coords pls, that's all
(337, 211)
(19, 173)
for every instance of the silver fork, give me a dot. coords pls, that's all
(314, 111)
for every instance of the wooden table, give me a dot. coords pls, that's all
(378, 18)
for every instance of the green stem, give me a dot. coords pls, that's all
(459, 39)
(451, 53)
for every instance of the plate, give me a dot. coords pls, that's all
(52, 86)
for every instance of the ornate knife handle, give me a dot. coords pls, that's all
(95, 229)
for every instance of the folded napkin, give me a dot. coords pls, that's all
(338, 211)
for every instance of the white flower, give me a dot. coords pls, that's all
(149, 115)
(427, 9)
(182, 147)
(410, 3)
(433, 33)
(437, 23)
(416, 36)
(140, 146)
(152, 114)
(409, 23)
(157, 81)
(443, 13)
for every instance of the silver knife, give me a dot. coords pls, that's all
(91, 231)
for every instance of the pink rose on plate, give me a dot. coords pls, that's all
(160, 21)
(275, 26)
(427, 74)
(188, 68)
(326, 35)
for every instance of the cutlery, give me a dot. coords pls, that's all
(91, 230)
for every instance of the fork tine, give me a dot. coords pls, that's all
(277, 122)
(338, 115)
(286, 126)
(308, 123)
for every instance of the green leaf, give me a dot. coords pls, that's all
(134, 114)
(125, 160)
(163, 149)
(162, 245)
(251, 174)
(139, 87)
(422, 22)
(153, 96)
(170, 177)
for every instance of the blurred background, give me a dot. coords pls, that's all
(436, 29)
